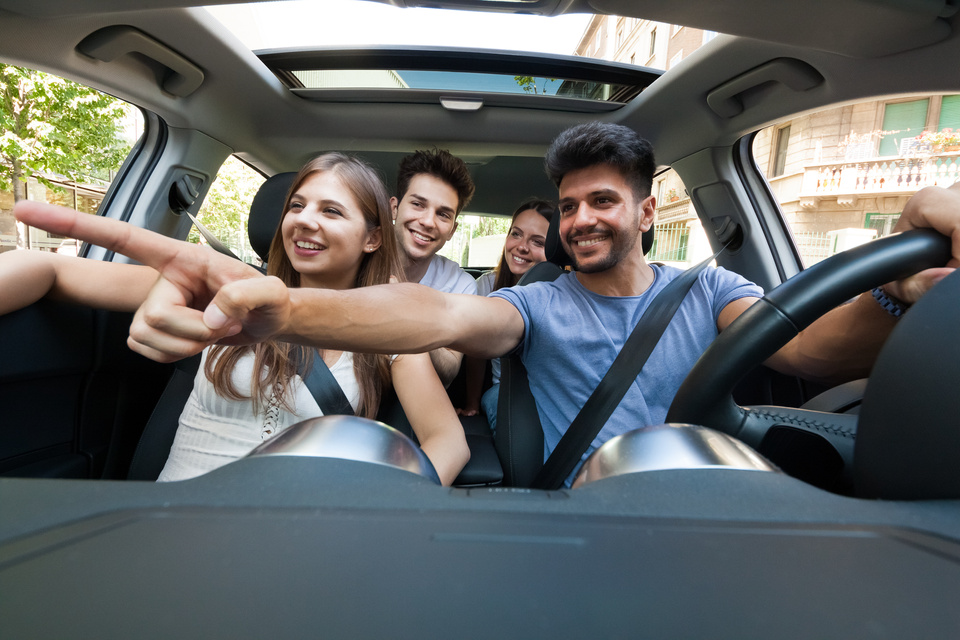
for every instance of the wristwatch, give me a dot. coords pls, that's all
(894, 307)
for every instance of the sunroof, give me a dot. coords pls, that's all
(465, 81)
(329, 73)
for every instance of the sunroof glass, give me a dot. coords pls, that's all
(460, 81)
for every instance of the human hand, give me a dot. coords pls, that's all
(201, 298)
(469, 410)
(939, 209)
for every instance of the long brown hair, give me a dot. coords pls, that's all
(275, 363)
(504, 277)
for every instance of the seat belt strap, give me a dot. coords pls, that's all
(622, 373)
(325, 389)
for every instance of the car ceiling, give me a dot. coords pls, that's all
(852, 49)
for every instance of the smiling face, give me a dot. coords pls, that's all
(600, 220)
(425, 218)
(524, 245)
(325, 234)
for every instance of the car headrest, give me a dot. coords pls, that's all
(553, 248)
(266, 211)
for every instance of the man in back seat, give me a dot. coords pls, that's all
(567, 332)
(433, 187)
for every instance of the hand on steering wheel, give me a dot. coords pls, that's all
(705, 397)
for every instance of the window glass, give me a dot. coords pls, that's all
(60, 142)
(225, 210)
(949, 113)
(678, 238)
(478, 241)
(901, 122)
(851, 169)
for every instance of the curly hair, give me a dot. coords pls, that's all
(440, 164)
(593, 143)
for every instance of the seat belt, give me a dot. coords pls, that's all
(615, 383)
(325, 389)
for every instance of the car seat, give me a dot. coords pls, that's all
(519, 436)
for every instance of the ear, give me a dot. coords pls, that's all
(453, 229)
(393, 208)
(648, 211)
(374, 239)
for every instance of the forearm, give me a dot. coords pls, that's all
(28, 276)
(841, 346)
(431, 415)
(448, 453)
(399, 318)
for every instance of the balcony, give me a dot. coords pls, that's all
(893, 176)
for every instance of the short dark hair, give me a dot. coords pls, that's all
(593, 143)
(440, 164)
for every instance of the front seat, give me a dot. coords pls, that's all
(519, 436)
(154, 447)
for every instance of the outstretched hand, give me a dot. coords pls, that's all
(201, 297)
(935, 208)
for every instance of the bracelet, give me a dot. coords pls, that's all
(892, 306)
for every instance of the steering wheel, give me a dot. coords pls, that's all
(705, 397)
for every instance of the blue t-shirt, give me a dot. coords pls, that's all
(572, 336)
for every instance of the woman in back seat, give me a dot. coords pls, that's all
(335, 233)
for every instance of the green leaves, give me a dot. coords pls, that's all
(53, 127)
(227, 204)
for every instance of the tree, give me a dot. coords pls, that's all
(529, 83)
(227, 205)
(53, 127)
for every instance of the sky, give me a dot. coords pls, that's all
(341, 22)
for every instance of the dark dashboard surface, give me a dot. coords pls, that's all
(297, 547)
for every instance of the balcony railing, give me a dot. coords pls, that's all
(879, 176)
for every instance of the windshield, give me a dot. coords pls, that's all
(339, 23)
(343, 23)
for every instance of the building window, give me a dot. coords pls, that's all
(902, 121)
(882, 222)
(780, 151)
(633, 58)
(653, 42)
(949, 113)
(675, 60)
(708, 36)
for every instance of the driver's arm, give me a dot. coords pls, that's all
(844, 343)
(840, 346)
(397, 318)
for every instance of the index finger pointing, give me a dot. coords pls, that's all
(147, 247)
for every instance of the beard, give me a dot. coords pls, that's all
(620, 247)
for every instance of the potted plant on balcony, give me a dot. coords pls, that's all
(943, 140)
